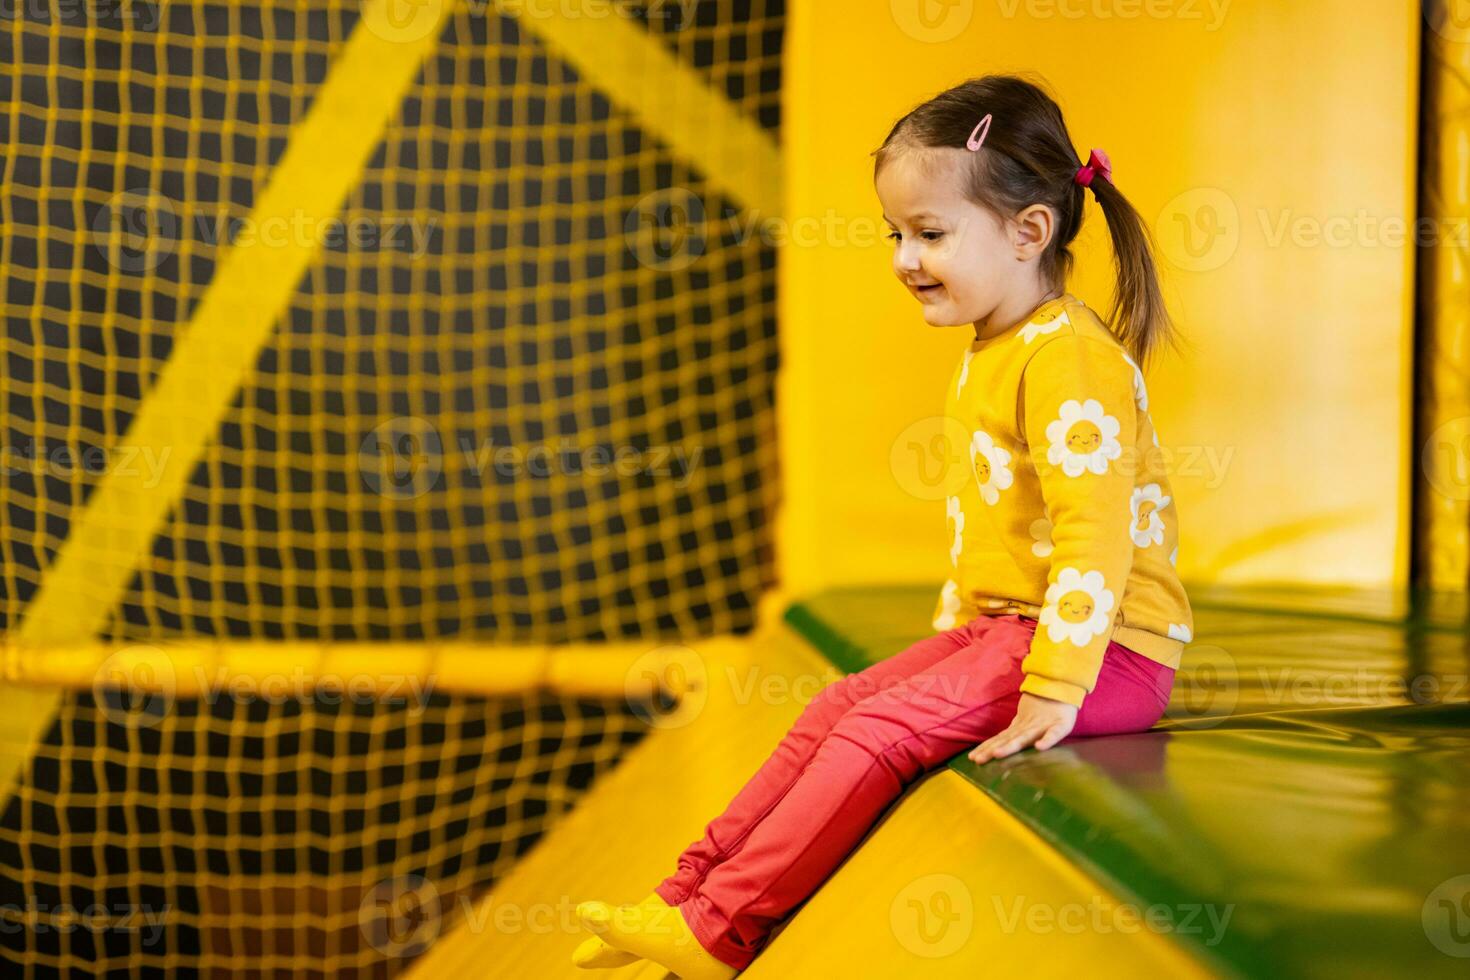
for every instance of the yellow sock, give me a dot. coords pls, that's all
(657, 934)
(595, 954)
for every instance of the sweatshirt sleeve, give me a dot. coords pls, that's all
(1078, 413)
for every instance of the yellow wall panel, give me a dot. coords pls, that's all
(1271, 147)
(1442, 530)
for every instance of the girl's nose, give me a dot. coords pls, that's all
(906, 258)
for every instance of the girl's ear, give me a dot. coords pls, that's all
(1032, 227)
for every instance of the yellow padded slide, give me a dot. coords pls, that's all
(946, 884)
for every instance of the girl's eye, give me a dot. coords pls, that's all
(893, 236)
(928, 236)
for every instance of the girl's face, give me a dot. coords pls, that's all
(957, 259)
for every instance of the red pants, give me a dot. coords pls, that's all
(852, 752)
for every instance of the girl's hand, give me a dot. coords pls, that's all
(1038, 720)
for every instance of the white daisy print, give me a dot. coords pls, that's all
(953, 513)
(1147, 527)
(1083, 438)
(1078, 607)
(949, 606)
(964, 373)
(1174, 556)
(1179, 631)
(1041, 532)
(992, 466)
(1139, 391)
(1044, 324)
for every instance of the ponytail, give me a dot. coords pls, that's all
(1137, 317)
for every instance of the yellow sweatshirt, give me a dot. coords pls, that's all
(1068, 518)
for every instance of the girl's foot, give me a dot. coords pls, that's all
(594, 954)
(657, 934)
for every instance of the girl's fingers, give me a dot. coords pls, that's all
(1054, 735)
(1020, 741)
(1007, 742)
(1015, 738)
(994, 741)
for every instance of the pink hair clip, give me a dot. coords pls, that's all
(1097, 163)
(982, 128)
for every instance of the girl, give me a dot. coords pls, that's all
(1062, 616)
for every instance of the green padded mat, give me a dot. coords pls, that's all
(1304, 808)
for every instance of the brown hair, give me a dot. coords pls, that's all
(1027, 158)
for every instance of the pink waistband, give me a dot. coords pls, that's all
(1152, 667)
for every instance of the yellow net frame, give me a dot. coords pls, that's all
(304, 612)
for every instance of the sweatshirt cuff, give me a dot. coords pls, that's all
(1048, 687)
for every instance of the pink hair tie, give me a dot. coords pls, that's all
(978, 134)
(1097, 163)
